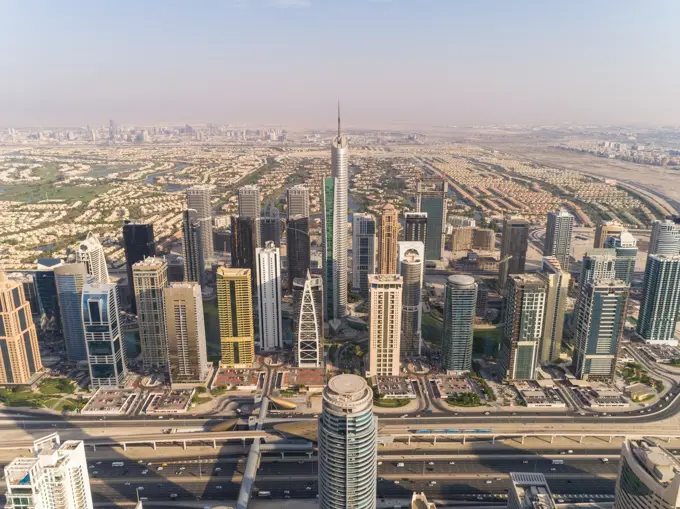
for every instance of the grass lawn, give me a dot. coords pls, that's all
(51, 402)
(391, 403)
(57, 386)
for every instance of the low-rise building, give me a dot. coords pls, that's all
(110, 402)
(529, 490)
(394, 387)
(169, 402)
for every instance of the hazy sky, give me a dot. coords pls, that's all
(391, 62)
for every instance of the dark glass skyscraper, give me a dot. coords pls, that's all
(514, 245)
(270, 226)
(431, 197)
(138, 242)
(46, 287)
(192, 244)
(243, 242)
(416, 226)
(297, 235)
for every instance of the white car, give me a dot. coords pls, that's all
(452, 462)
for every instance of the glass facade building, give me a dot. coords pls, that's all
(459, 317)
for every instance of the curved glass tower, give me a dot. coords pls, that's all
(339, 163)
(348, 452)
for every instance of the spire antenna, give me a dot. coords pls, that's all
(338, 118)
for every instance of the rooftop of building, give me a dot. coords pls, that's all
(150, 262)
(461, 280)
(49, 262)
(657, 461)
(384, 278)
(532, 490)
(553, 263)
(232, 272)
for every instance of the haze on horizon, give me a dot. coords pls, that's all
(393, 63)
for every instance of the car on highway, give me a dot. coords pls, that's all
(396, 482)
(489, 481)
(140, 488)
(308, 488)
(145, 471)
(430, 463)
(218, 469)
(159, 469)
(127, 483)
(452, 462)
(218, 487)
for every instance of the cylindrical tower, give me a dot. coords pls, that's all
(459, 317)
(339, 163)
(411, 271)
(348, 453)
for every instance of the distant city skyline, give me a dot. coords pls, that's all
(285, 62)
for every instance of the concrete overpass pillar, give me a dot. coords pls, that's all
(463, 439)
(409, 440)
(552, 437)
(244, 441)
(214, 444)
(283, 455)
(523, 437)
(580, 439)
(184, 444)
(94, 447)
(610, 439)
(154, 445)
(493, 439)
(124, 446)
(435, 440)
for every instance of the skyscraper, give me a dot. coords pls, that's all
(665, 239)
(235, 311)
(46, 287)
(459, 320)
(348, 445)
(388, 235)
(597, 264)
(91, 253)
(411, 269)
(269, 297)
(192, 247)
(185, 326)
(384, 327)
(103, 338)
(54, 478)
(557, 289)
(249, 207)
(524, 317)
(432, 199)
(198, 199)
(625, 246)
(19, 351)
(70, 279)
(415, 226)
(649, 476)
(606, 229)
(660, 300)
(270, 226)
(298, 248)
(308, 344)
(243, 243)
(151, 280)
(298, 201)
(364, 251)
(335, 230)
(598, 326)
(139, 243)
(514, 245)
(558, 237)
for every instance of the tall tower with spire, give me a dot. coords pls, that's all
(335, 191)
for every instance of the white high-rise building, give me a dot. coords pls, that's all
(665, 238)
(91, 252)
(150, 280)
(339, 168)
(348, 445)
(558, 236)
(649, 477)
(385, 324)
(103, 338)
(298, 201)
(198, 198)
(55, 478)
(269, 296)
(249, 206)
(308, 321)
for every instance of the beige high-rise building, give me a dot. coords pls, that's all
(606, 229)
(557, 289)
(18, 338)
(461, 238)
(186, 333)
(483, 239)
(385, 323)
(150, 281)
(235, 311)
(388, 235)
